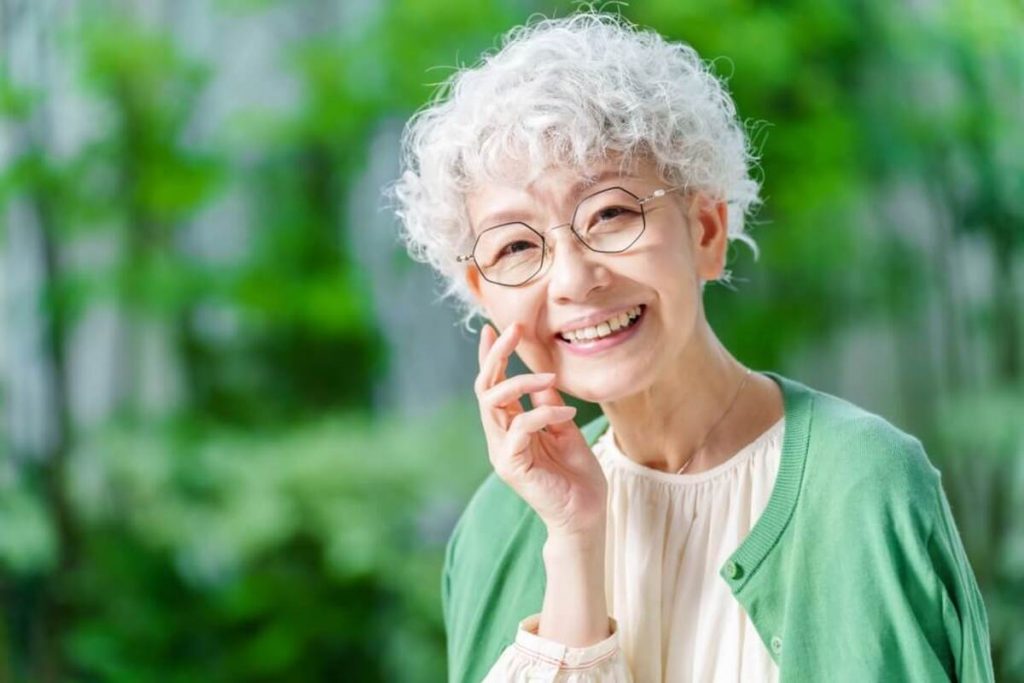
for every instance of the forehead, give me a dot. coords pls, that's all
(500, 199)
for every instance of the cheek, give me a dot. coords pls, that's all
(665, 247)
(666, 270)
(505, 310)
(537, 352)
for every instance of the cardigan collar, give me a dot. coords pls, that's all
(797, 407)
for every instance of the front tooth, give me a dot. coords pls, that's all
(604, 329)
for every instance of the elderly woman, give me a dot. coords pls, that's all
(578, 188)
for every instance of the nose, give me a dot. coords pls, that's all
(574, 271)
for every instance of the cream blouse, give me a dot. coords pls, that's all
(672, 617)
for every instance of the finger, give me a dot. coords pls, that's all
(526, 424)
(496, 418)
(504, 393)
(499, 356)
(487, 336)
(550, 396)
(496, 360)
(547, 396)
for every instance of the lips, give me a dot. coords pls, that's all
(613, 317)
(597, 345)
(601, 328)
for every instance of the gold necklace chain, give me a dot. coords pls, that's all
(721, 417)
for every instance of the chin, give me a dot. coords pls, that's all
(606, 389)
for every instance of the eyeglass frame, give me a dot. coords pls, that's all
(545, 247)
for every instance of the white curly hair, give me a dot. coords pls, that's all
(566, 91)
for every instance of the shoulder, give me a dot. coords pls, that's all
(490, 527)
(846, 435)
(494, 505)
(859, 457)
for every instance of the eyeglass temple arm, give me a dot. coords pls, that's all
(659, 193)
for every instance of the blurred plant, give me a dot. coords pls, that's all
(132, 188)
(942, 98)
(981, 456)
(308, 554)
(303, 298)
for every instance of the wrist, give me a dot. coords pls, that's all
(589, 543)
(575, 610)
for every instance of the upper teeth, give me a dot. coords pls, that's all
(603, 329)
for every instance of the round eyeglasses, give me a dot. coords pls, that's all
(609, 221)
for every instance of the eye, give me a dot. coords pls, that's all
(514, 248)
(614, 212)
(611, 212)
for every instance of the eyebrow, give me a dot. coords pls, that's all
(576, 190)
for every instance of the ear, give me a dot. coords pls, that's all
(710, 219)
(472, 277)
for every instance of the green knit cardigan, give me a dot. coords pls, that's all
(855, 571)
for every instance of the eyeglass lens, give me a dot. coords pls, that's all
(608, 221)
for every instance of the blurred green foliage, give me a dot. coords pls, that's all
(269, 526)
(293, 556)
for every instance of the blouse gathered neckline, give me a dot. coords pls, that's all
(610, 454)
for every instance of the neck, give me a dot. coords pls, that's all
(667, 425)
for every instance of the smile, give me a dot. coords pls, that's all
(604, 335)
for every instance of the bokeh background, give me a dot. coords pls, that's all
(237, 425)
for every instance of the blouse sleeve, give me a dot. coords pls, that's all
(532, 659)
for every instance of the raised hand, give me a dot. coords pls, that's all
(540, 453)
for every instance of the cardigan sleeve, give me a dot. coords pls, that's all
(963, 612)
(532, 658)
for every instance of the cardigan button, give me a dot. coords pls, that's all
(733, 570)
(776, 645)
